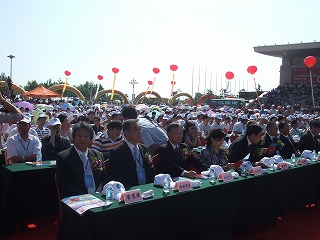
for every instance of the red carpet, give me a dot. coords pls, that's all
(298, 224)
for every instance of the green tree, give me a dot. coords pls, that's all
(31, 85)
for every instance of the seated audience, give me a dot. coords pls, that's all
(129, 163)
(190, 135)
(23, 147)
(289, 145)
(109, 139)
(214, 153)
(249, 143)
(174, 158)
(310, 140)
(54, 143)
(76, 173)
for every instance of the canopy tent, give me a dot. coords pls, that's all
(41, 92)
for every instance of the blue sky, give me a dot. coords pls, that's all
(89, 38)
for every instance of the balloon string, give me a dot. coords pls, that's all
(64, 87)
(171, 95)
(95, 96)
(114, 82)
(311, 89)
(145, 94)
(255, 86)
(154, 81)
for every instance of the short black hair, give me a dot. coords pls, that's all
(62, 117)
(314, 123)
(172, 126)
(253, 129)
(216, 134)
(84, 118)
(127, 124)
(129, 112)
(82, 125)
(114, 124)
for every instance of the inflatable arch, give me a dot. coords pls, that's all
(69, 88)
(14, 87)
(179, 95)
(204, 97)
(102, 92)
(140, 95)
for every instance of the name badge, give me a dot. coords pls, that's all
(257, 170)
(225, 176)
(132, 196)
(283, 166)
(88, 180)
(184, 185)
(302, 161)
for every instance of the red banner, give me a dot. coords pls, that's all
(302, 76)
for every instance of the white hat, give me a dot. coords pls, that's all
(166, 117)
(54, 121)
(191, 115)
(42, 115)
(253, 117)
(244, 117)
(199, 113)
(264, 116)
(117, 187)
(25, 119)
(307, 154)
(181, 122)
(218, 116)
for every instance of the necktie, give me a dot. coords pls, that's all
(176, 150)
(274, 139)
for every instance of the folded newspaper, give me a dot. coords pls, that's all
(82, 203)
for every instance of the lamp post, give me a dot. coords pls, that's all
(133, 82)
(11, 57)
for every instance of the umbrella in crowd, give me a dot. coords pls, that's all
(143, 107)
(24, 104)
(44, 107)
(67, 105)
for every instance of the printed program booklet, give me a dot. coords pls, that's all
(82, 203)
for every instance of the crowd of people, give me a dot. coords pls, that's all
(92, 146)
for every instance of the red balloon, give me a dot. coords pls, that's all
(252, 69)
(150, 82)
(67, 73)
(115, 70)
(173, 82)
(310, 61)
(229, 75)
(100, 77)
(174, 67)
(156, 70)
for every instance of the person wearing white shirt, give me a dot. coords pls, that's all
(23, 147)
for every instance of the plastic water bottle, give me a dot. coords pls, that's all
(313, 155)
(39, 158)
(212, 175)
(293, 159)
(109, 195)
(166, 185)
(244, 172)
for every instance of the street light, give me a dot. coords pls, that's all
(133, 82)
(11, 57)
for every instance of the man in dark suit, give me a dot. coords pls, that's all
(80, 170)
(174, 158)
(129, 162)
(248, 143)
(310, 140)
(270, 140)
(289, 146)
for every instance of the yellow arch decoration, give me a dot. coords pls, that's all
(69, 88)
(102, 92)
(140, 95)
(15, 87)
(179, 95)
